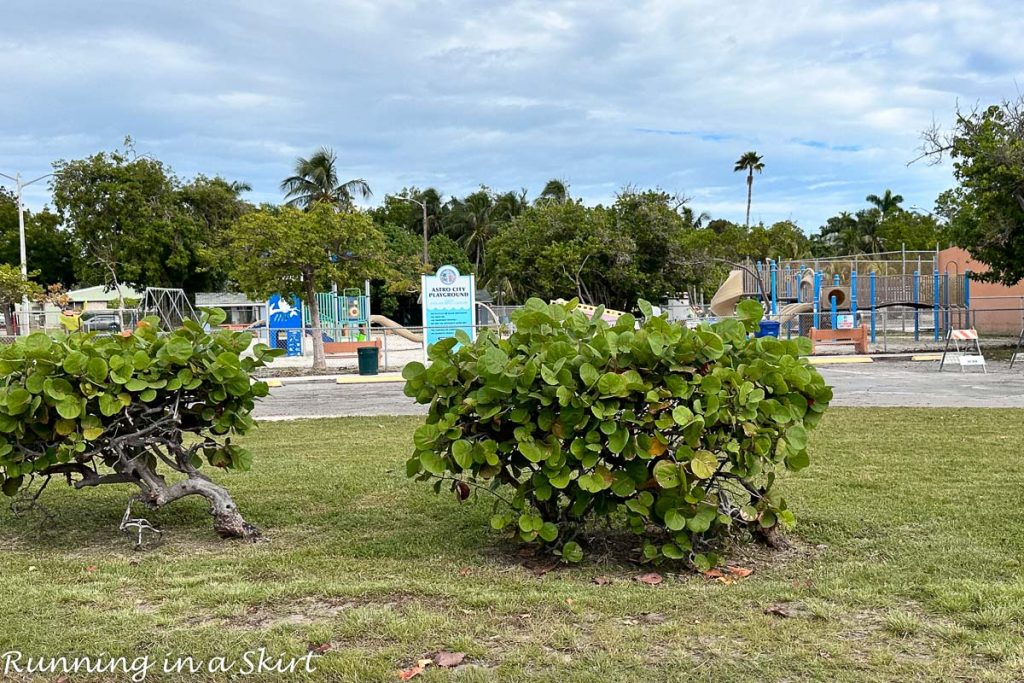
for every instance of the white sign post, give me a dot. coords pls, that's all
(449, 304)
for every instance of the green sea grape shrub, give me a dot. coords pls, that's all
(680, 432)
(126, 408)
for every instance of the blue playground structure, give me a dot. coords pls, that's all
(344, 317)
(816, 292)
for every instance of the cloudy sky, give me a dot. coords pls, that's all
(453, 94)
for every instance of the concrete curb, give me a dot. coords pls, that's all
(334, 379)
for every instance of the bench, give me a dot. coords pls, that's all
(858, 336)
(351, 348)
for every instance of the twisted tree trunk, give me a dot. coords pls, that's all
(132, 468)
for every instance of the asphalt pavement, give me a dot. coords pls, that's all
(881, 384)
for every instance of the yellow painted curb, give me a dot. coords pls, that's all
(927, 356)
(839, 360)
(273, 382)
(368, 379)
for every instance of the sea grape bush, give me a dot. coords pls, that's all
(680, 432)
(115, 409)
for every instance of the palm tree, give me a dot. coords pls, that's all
(239, 186)
(887, 203)
(555, 192)
(470, 220)
(316, 182)
(749, 162)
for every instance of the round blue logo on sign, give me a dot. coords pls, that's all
(447, 275)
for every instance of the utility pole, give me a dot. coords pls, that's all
(423, 205)
(23, 323)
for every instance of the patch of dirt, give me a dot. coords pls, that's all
(302, 612)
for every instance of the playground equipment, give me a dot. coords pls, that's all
(400, 330)
(344, 317)
(171, 306)
(860, 285)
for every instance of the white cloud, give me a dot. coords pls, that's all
(457, 93)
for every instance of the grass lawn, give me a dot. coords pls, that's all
(906, 566)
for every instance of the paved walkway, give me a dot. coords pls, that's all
(879, 384)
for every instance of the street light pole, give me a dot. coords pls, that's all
(23, 326)
(423, 205)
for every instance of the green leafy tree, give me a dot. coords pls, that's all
(299, 253)
(985, 212)
(47, 244)
(214, 204)
(118, 409)
(408, 215)
(13, 288)
(444, 250)
(915, 231)
(559, 251)
(315, 181)
(128, 223)
(749, 162)
(679, 433)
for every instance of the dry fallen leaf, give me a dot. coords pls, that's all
(741, 572)
(414, 671)
(651, 578)
(465, 571)
(602, 580)
(320, 649)
(449, 659)
(713, 574)
(91, 568)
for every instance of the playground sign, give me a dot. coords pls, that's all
(845, 322)
(284, 324)
(449, 304)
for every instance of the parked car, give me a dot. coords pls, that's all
(106, 321)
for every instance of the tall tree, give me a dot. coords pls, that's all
(886, 204)
(299, 253)
(749, 162)
(315, 181)
(127, 223)
(47, 244)
(985, 212)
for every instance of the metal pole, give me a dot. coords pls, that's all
(871, 280)
(935, 303)
(426, 251)
(917, 314)
(817, 300)
(853, 295)
(23, 326)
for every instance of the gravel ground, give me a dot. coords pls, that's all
(918, 384)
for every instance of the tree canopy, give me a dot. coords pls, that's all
(986, 210)
(299, 253)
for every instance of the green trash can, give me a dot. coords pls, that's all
(367, 360)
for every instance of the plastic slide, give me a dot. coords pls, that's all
(791, 311)
(723, 303)
(398, 329)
